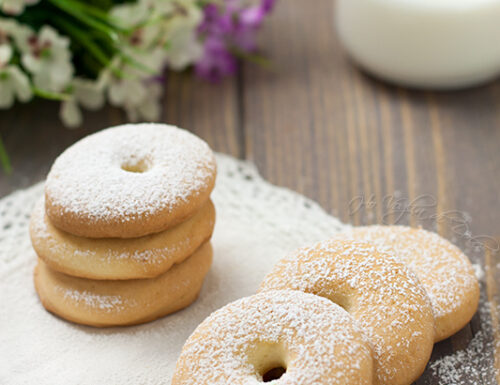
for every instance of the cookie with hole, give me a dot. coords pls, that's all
(129, 181)
(119, 258)
(122, 302)
(283, 337)
(382, 294)
(443, 270)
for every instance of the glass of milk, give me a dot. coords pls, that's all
(433, 44)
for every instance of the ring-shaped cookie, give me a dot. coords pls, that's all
(443, 270)
(129, 181)
(300, 338)
(381, 293)
(119, 258)
(129, 302)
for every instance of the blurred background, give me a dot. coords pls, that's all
(312, 122)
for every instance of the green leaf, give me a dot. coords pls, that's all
(4, 158)
(97, 12)
(82, 37)
(76, 11)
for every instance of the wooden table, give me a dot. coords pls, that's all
(367, 151)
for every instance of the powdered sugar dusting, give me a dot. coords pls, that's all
(109, 303)
(315, 339)
(445, 272)
(478, 271)
(381, 293)
(146, 252)
(89, 181)
(476, 363)
(111, 254)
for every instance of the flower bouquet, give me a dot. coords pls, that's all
(86, 52)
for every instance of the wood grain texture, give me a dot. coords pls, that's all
(211, 111)
(368, 152)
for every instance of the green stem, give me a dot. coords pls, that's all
(93, 48)
(76, 11)
(4, 158)
(49, 95)
(255, 58)
(81, 36)
(135, 63)
(98, 13)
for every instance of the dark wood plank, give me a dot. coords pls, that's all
(373, 153)
(211, 111)
(34, 136)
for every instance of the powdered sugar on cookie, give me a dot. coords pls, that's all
(115, 258)
(109, 303)
(314, 339)
(382, 294)
(444, 271)
(127, 174)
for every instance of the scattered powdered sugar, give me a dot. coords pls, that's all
(476, 363)
(316, 340)
(478, 271)
(466, 366)
(382, 294)
(90, 180)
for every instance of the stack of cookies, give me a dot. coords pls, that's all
(122, 233)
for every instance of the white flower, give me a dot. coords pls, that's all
(178, 31)
(171, 34)
(70, 113)
(130, 15)
(5, 54)
(126, 92)
(185, 49)
(138, 95)
(170, 38)
(150, 108)
(171, 7)
(49, 60)
(15, 7)
(88, 93)
(186, 14)
(13, 84)
(140, 98)
(13, 32)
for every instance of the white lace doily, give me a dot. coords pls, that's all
(257, 223)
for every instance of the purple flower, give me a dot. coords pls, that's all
(216, 61)
(254, 16)
(226, 29)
